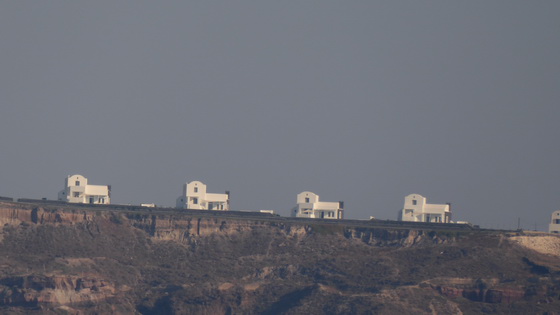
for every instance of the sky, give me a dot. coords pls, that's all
(358, 101)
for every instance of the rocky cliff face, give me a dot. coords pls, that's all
(32, 290)
(80, 260)
(181, 228)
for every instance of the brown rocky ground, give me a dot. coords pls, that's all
(79, 261)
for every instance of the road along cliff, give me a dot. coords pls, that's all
(89, 260)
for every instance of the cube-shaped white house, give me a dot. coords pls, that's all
(416, 209)
(195, 197)
(554, 226)
(309, 206)
(77, 190)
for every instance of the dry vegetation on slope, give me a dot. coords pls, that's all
(69, 261)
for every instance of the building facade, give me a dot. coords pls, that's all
(309, 206)
(416, 209)
(554, 226)
(195, 197)
(77, 190)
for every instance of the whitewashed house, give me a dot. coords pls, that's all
(554, 226)
(77, 190)
(309, 206)
(195, 197)
(418, 210)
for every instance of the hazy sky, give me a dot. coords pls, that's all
(360, 101)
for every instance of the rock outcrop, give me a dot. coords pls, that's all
(32, 290)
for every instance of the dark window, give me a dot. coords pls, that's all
(414, 202)
(557, 221)
(306, 200)
(196, 189)
(76, 194)
(195, 201)
(77, 183)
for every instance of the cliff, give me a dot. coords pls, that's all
(82, 260)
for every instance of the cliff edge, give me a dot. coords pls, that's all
(82, 260)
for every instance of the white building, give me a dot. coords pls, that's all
(195, 197)
(554, 226)
(416, 209)
(309, 206)
(77, 190)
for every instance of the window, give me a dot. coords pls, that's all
(557, 221)
(414, 202)
(77, 183)
(76, 194)
(196, 189)
(195, 201)
(306, 200)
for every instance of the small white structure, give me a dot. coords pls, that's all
(77, 190)
(195, 197)
(554, 226)
(417, 210)
(309, 206)
(268, 211)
